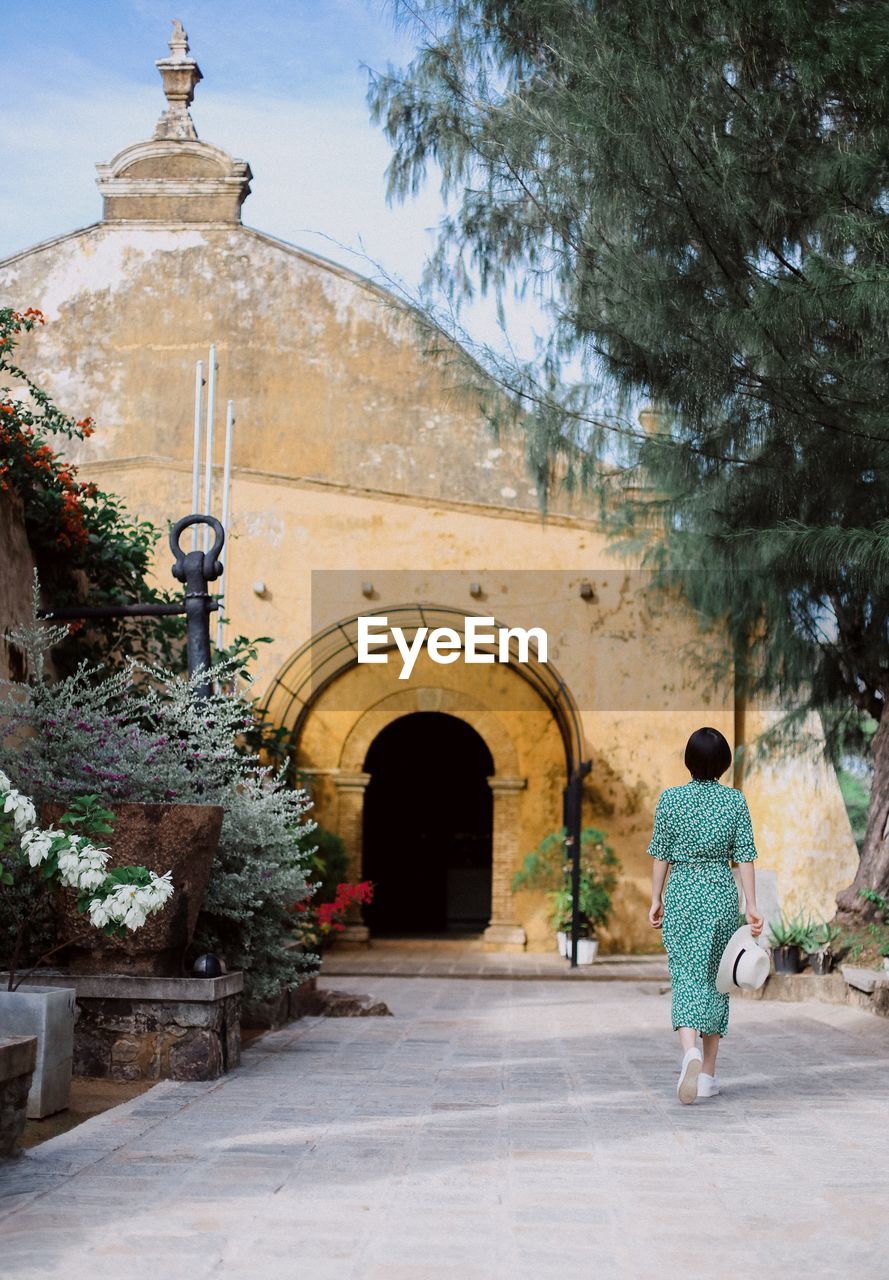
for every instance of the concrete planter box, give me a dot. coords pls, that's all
(18, 1057)
(48, 1014)
(132, 1027)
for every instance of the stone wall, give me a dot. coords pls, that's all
(16, 577)
(121, 1039)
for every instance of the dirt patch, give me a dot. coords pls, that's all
(89, 1097)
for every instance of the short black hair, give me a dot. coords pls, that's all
(707, 754)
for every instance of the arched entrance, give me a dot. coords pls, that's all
(427, 826)
(336, 708)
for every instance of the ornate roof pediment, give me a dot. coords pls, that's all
(174, 177)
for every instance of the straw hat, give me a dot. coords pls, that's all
(744, 965)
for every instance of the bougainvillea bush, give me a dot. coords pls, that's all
(320, 922)
(141, 733)
(85, 544)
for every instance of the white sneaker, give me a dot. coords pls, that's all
(708, 1086)
(687, 1087)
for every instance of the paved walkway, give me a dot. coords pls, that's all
(488, 1131)
(433, 960)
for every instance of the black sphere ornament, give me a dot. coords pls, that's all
(208, 966)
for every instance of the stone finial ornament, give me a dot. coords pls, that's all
(180, 74)
(174, 177)
(178, 42)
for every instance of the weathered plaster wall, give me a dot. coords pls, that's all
(357, 453)
(330, 378)
(798, 814)
(621, 656)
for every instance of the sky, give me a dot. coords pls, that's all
(284, 88)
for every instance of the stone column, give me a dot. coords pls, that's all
(504, 933)
(350, 788)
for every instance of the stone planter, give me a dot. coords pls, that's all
(562, 942)
(18, 1057)
(181, 838)
(142, 1028)
(48, 1014)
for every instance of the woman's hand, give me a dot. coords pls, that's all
(656, 914)
(754, 919)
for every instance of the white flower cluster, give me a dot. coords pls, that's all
(22, 809)
(131, 904)
(81, 865)
(84, 867)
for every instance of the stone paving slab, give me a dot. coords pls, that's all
(406, 961)
(488, 1131)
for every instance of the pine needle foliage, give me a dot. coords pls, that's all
(700, 193)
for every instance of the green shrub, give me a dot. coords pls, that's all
(548, 868)
(141, 733)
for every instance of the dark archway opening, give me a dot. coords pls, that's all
(428, 814)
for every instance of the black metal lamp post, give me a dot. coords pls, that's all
(196, 570)
(572, 809)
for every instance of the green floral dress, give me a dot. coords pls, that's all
(698, 827)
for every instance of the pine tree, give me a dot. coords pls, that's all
(700, 190)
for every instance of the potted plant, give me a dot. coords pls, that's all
(587, 942)
(819, 946)
(787, 937)
(546, 868)
(37, 865)
(178, 840)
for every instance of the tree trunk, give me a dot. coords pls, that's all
(873, 870)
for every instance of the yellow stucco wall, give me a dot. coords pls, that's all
(357, 453)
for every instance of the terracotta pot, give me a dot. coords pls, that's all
(181, 838)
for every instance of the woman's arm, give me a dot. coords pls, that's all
(659, 871)
(748, 884)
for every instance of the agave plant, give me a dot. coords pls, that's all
(791, 931)
(822, 937)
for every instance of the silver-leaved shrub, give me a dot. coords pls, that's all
(141, 733)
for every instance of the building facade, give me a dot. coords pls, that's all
(366, 481)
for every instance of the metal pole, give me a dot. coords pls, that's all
(196, 569)
(226, 504)
(196, 452)
(208, 463)
(573, 821)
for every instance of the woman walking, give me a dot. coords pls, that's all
(698, 827)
